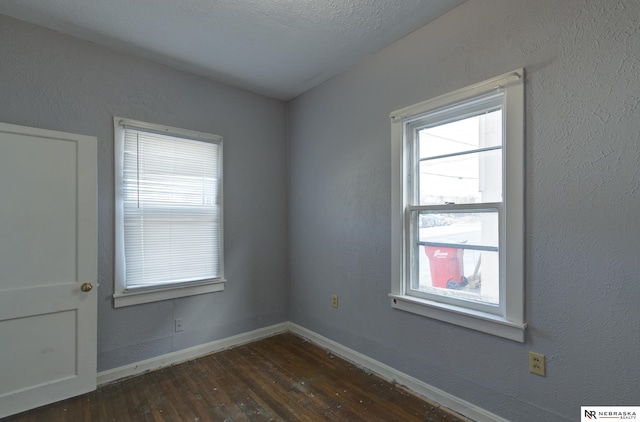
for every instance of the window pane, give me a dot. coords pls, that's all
(457, 273)
(171, 207)
(469, 134)
(461, 179)
(168, 247)
(458, 256)
(162, 170)
(479, 229)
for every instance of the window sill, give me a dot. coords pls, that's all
(475, 320)
(135, 298)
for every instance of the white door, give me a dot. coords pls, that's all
(48, 249)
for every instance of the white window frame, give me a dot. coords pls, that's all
(126, 297)
(508, 319)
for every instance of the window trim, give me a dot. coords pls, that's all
(510, 323)
(122, 295)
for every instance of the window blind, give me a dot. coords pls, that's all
(172, 209)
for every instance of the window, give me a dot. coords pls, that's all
(168, 185)
(458, 207)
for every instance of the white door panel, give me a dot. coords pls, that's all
(48, 249)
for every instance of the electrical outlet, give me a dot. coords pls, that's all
(179, 327)
(536, 364)
(334, 301)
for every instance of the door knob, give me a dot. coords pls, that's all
(86, 287)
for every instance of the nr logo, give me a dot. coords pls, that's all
(591, 414)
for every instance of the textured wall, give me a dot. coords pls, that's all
(57, 82)
(582, 199)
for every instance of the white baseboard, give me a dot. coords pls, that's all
(188, 354)
(432, 393)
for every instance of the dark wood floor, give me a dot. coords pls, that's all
(281, 378)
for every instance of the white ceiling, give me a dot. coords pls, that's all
(279, 48)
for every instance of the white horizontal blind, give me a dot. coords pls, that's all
(172, 209)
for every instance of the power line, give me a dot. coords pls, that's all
(448, 139)
(451, 177)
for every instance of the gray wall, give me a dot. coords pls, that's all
(582, 204)
(52, 81)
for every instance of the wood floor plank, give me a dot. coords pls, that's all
(282, 386)
(283, 400)
(279, 378)
(299, 371)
